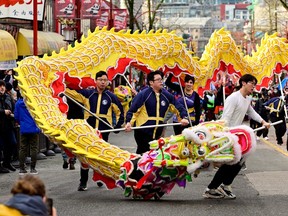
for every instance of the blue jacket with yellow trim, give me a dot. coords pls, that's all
(103, 105)
(277, 106)
(146, 109)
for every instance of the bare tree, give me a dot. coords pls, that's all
(271, 8)
(152, 8)
(284, 4)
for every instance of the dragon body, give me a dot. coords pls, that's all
(171, 160)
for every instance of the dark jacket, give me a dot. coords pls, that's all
(193, 101)
(23, 117)
(6, 122)
(28, 205)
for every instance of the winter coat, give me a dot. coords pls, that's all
(6, 122)
(26, 204)
(23, 117)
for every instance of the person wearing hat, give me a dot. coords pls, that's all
(7, 135)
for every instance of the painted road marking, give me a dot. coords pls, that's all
(276, 147)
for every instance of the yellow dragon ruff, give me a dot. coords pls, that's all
(271, 57)
(76, 135)
(101, 50)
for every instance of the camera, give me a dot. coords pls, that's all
(49, 204)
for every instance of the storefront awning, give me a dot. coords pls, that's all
(8, 47)
(47, 42)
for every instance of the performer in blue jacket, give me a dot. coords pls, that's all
(276, 107)
(103, 103)
(149, 107)
(29, 137)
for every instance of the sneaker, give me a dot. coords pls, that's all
(9, 167)
(226, 191)
(99, 184)
(212, 194)
(3, 169)
(82, 188)
(257, 138)
(244, 167)
(71, 166)
(33, 171)
(65, 164)
(23, 172)
(266, 138)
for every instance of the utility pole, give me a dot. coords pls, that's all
(35, 28)
(110, 22)
(276, 17)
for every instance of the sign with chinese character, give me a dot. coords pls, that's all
(120, 19)
(90, 9)
(6, 65)
(21, 9)
(65, 8)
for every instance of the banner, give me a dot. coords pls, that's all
(6, 65)
(103, 20)
(120, 18)
(21, 10)
(65, 8)
(91, 9)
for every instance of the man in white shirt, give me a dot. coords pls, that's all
(236, 106)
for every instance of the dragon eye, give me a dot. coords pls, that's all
(201, 151)
(185, 152)
(201, 135)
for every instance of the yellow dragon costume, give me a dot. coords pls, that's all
(171, 160)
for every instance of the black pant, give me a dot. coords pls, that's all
(142, 139)
(225, 174)
(280, 129)
(84, 173)
(8, 145)
(263, 132)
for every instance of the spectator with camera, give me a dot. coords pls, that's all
(29, 198)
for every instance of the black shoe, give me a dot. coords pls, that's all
(99, 184)
(33, 171)
(280, 141)
(65, 165)
(82, 187)
(9, 167)
(71, 166)
(3, 170)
